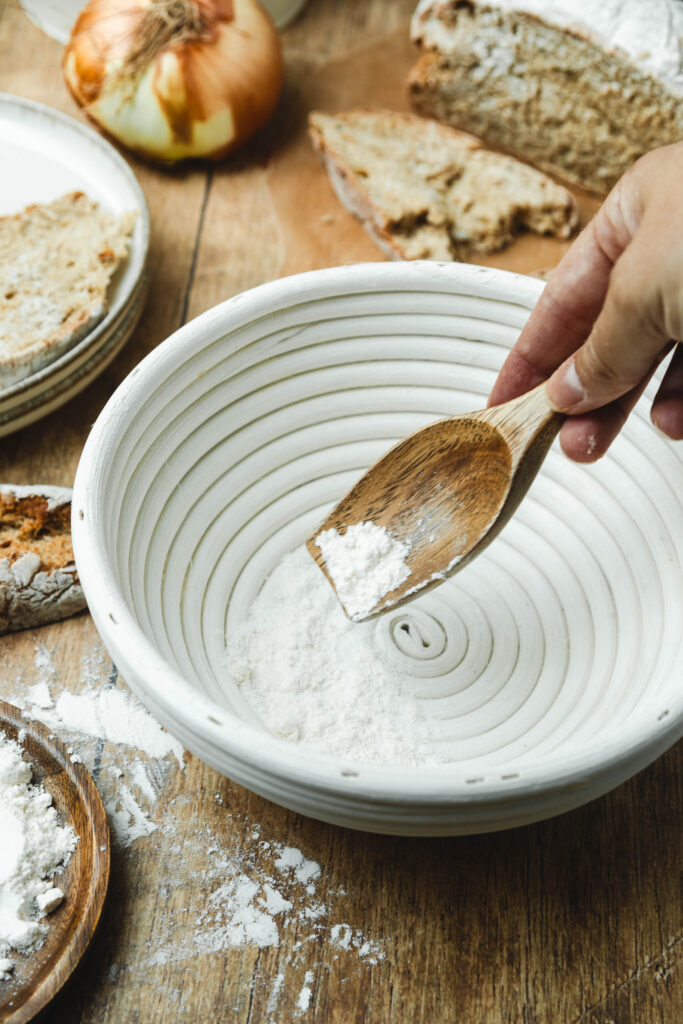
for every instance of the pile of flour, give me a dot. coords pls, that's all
(32, 847)
(314, 677)
(366, 563)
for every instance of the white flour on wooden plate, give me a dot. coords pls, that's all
(314, 677)
(33, 846)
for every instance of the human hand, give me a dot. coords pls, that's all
(608, 314)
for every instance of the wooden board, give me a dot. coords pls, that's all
(314, 229)
(577, 919)
(38, 977)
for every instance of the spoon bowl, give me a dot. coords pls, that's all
(448, 489)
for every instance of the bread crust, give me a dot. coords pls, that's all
(38, 578)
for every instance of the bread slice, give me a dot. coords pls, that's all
(38, 578)
(580, 89)
(425, 191)
(56, 262)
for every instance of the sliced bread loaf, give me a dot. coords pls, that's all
(580, 88)
(425, 191)
(38, 578)
(56, 262)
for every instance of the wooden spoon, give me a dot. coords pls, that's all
(40, 975)
(449, 489)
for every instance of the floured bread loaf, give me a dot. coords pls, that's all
(425, 191)
(38, 578)
(580, 88)
(56, 262)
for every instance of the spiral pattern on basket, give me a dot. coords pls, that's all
(561, 634)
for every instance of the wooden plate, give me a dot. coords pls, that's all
(39, 976)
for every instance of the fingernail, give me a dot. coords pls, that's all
(654, 417)
(564, 390)
(667, 419)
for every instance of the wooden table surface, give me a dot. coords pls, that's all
(574, 919)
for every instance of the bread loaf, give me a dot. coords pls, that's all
(56, 262)
(38, 578)
(425, 191)
(579, 88)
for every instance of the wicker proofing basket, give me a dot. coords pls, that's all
(559, 676)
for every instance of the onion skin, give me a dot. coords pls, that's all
(198, 97)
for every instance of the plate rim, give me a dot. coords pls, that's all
(84, 373)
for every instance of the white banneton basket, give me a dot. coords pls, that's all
(555, 658)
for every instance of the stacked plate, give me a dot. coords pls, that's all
(554, 664)
(45, 155)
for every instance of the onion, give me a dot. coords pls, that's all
(175, 78)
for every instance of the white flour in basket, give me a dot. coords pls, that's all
(33, 846)
(314, 677)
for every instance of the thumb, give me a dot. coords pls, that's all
(627, 341)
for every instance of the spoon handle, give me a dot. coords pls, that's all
(525, 421)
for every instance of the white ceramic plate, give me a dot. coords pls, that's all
(53, 389)
(560, 672)
(54, 17)
(44, 155)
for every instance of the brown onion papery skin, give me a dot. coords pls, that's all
(242, 42)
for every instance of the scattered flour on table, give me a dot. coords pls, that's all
(225, 888)
(127, 818)
(275, 992)
(304, 1000)
(246, 898)
(103, 712)
(115, 716)
(34, 845)
(365, 563)
(313, 676)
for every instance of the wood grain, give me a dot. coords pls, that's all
(39, 977)
(577, 919)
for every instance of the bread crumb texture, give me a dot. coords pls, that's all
(56, 262)
(38, 578)
(549, 85)
(426, 191)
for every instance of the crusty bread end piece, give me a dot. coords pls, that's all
(38, 578)
(545, 87)
(56, 262)
(425, 191)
